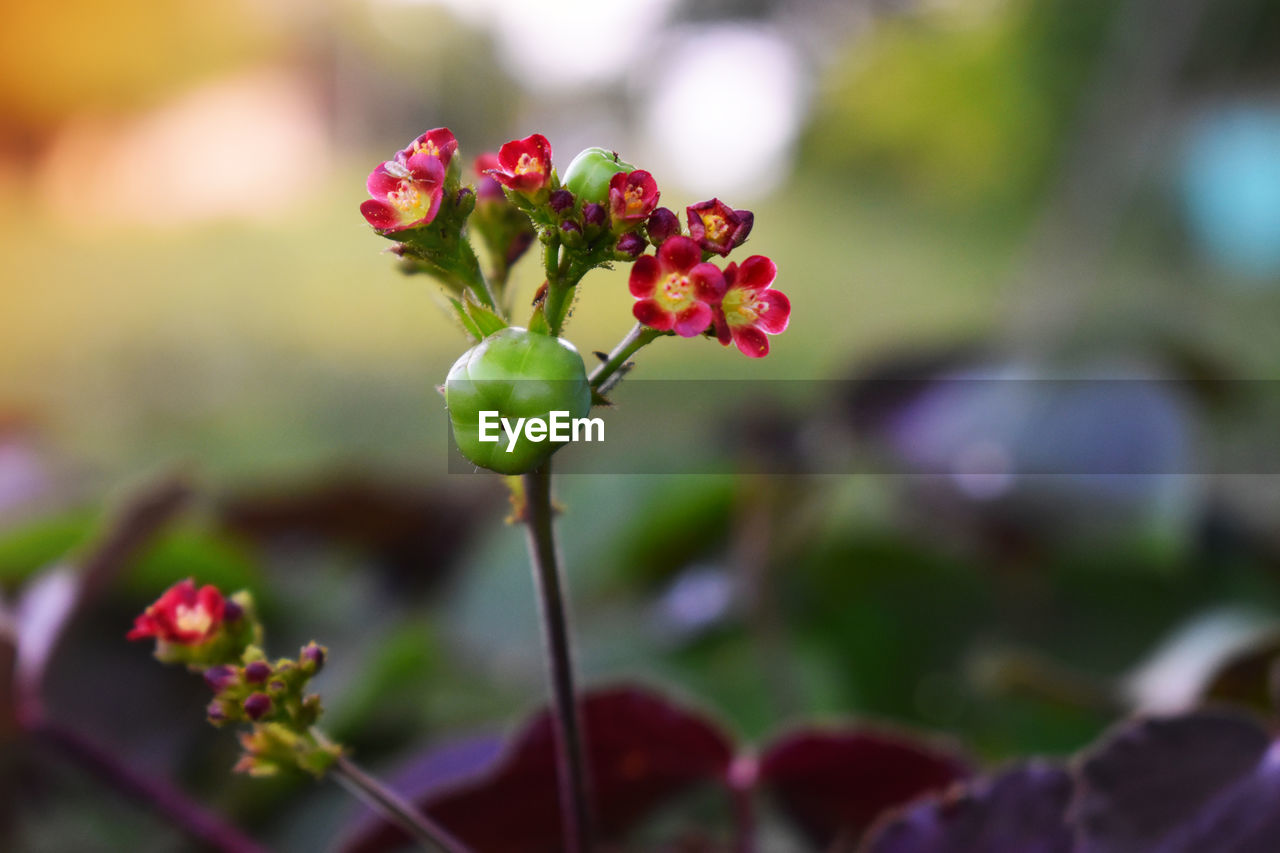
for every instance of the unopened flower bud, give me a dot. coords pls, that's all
(570, 227)
(313, 654)
(219, 677)
(718, 228)
(257, 706)
(257, 672)
(631, 244)
(594, 214)
(560, 200)
(216, 713)
(232, 611)
(663, 224)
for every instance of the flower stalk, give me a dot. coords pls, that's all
(427, 833)
(571, 768)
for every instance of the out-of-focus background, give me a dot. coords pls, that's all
(1009, 188)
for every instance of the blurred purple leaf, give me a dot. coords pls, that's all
(1023, 809)
(834, 784)
(436, 769)
(41, 616)
(642, 748)
(1204, 781)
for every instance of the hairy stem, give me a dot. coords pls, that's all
(638, 337)
(570, 755)
(429, 835)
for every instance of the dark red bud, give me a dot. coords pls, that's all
(594, 214)
(215, 712)
(570, 227)
(631, 244)
(257, 706)
(231, 611)
(257, 672)
(662, 225)
(314, 654)
(560, 200)
(218, 677)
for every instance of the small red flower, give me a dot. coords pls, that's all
(182, 616)
(524, 165)
(632, 196)
(676, 290)
(750, 307)
(405, 195)
(717, 227)
(439, 143)
(488, 189)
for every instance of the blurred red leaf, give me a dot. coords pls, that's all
(642, 748)
(834, 784)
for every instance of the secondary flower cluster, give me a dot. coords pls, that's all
(603, 211)
(679, 290)
(220, 637)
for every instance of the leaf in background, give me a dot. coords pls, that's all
(457, 760)
(834, 784)
(1169, 784)
(642, 751)
(413, 533)
(1223, 654)
(1023, 809)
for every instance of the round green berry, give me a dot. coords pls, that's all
(588, 175)
(496, 388)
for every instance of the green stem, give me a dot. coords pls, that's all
(575, 812)
(639, 337)
(429, 835)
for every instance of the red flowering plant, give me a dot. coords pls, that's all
(604, 212)
(197, 626)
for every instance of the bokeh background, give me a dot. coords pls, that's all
(1013, 188)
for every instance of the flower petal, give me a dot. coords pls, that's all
(708, 282)
(752, 341)
(756, 273)
(653, 315)
(380, 215)
(679, 254)
(382, 181)
(644, 276)
(426, 169)
(775, 313)
(694, 320)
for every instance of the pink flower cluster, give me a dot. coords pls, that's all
(677, 289)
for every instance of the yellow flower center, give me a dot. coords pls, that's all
(715, 226)
(742, 308)
(427, 147)
(409, 200)
(192, 620)
(674, 293)
(634, 200)
(528, 163)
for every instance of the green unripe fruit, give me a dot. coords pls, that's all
(589, 174)
(516, 374)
